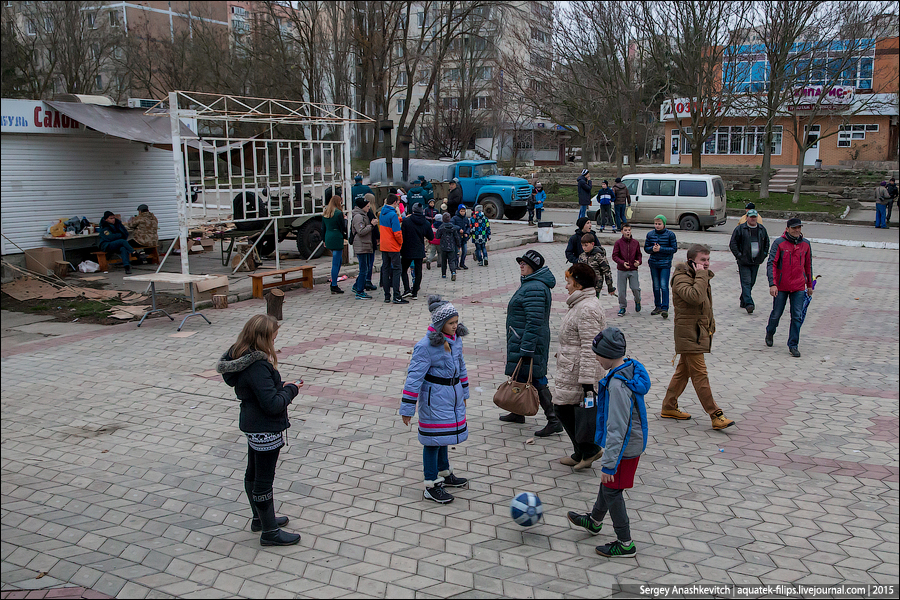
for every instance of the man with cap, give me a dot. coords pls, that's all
(750, 206)
(584, 192)
(359, 191)
(573, 248)
(528, 335)
(893, 193)
(114, 238)
(415, 195)
(144, 227)
(750, 246)
(695, 326)
(454, 197)
(606, 197)
(416, 229)
(623, 200)
(790, 275)
(660, 245)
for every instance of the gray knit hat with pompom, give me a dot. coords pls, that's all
(441, 312)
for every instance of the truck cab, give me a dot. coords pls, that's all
(481, 183)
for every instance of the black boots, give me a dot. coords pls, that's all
(271, 535)
(255, 523)
(553, 425)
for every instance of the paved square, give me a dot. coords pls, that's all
(122, 463)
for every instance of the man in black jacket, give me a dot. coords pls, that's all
(416, 229)
(454, 197)
(750, 246)
(574, 249)
(584, 193)
(114, 238)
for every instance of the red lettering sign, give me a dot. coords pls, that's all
(37, 116)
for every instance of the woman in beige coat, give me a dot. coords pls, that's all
(577, 369)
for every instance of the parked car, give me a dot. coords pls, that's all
(694, 202)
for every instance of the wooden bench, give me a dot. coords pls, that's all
(306, 278)
(105, 259)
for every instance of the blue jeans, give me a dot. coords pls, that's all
(336, 259)
(366, 261)
(660, 278)
(582, 210)
(778, 305)
(621, 219)
(748, 280)
(435, 459)
(463, 251)
(881, 215)
(123, 248)
(480, 252)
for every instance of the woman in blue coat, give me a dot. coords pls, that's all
(438, 383)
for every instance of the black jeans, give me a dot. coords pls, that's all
(606, 217)
(578, 432)
(417, 273)
(448, 256)
(611, 501)
(390, 274)
(259, 480)
(748, 280)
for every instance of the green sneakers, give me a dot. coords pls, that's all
(585, 521)
(617, 550)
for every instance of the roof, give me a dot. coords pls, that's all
(127, 123)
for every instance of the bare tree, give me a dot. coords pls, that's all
(687, 40)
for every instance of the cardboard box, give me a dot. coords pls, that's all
(42, 260)
(205, 290)
(207, 244)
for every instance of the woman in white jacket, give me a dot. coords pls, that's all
(577, 370)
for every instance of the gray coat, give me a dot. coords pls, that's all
(363, 230)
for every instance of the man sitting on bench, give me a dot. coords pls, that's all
(144, 230)
(114, 238)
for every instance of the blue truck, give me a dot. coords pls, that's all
(480, 181)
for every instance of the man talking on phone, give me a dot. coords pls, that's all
(694, 329)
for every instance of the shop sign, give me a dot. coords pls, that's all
(681, 108)
(33, 116)
(810, 97)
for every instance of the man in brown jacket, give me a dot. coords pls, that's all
(144, 227)
(694, 329)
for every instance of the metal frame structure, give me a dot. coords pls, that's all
(275, 145)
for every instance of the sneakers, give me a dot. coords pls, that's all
(453, 276)
(480, 263)
(719, 421)
(621, 312)
(512, 418)
(795, 351)
(485, 262)
(664, 314)
(612, 292)
(414, 297)
(464, 267)
(452, 480)
(400, 301)
(406, 294)
(587, 461)
(438, 494)
(655, 311)
(387, 300)
(616, 549)
(585, 521)
(568, 461)
(674, 413)
(550, 428)
(770, 339)
(637, 308)
(363, 296)
(443, 277)
(279, 538)
(256, 524)
(370, 288)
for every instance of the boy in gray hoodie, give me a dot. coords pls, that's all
(622, 431)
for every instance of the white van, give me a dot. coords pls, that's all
(693, 202)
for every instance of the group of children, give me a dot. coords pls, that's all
(451, 236)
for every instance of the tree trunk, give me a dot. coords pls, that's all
(274, 304)
(632, 136)
(800, 161)
(695, 157)
(766, 164)
(619, 170)
(220, 301)
(61, 269)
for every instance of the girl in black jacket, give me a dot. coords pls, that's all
(249, 367)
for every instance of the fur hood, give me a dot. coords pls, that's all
(227, 364)
(436, 338)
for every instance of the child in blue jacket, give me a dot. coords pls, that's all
(438, 383)
(660, 245)
(622, 431)
(539, 197)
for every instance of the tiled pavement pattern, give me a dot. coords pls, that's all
(122, 463)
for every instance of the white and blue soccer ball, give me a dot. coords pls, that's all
(526, 509)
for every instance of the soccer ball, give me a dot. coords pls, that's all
(526, 509)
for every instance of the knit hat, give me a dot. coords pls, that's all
(143, 208)
(609, 343)
(794, 222)
(461, 207)
(418, 210)
(361, 202)
(750, 205)
(431, 201)
(584, 172)
(605, 182)
(661, 218)
(532, 258)
(441, 312)
(108, 214)
(445, 217)
(478, 208)
(581, 221)
(357, 178)
(421, 178)
(618, 180)
(539, 185)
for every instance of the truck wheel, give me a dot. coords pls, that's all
(493, 207)
(689, 223)
(514, 213)
(309, 236)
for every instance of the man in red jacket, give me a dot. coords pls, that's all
(790, 275)
(627, 256)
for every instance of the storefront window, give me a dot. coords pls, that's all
(736, 140)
